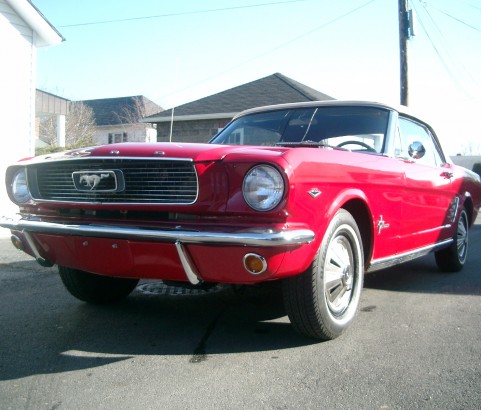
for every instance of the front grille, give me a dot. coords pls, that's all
(157, 181)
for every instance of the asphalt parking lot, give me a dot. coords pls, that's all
(415, 344)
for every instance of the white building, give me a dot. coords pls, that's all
(23, 29)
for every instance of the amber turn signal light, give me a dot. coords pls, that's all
(255, 264)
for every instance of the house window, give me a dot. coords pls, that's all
(117, 137)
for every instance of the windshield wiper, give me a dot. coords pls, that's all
(318, 144)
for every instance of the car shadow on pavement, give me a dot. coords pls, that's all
(46, 331)
(62, 334)
(423, 276)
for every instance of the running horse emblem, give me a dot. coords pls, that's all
(92, 180)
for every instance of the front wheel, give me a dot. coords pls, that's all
(452, 259)
(322, 301)
(95, 289)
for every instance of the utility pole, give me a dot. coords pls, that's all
(403, 49)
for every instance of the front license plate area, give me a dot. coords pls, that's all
(103, 256)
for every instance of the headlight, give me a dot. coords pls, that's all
(20, 190)
(263, 187)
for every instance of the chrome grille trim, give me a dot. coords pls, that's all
(147, 181)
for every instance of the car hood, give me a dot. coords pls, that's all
(195, 152)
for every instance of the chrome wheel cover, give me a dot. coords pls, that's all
(339, 274)
(462, 237)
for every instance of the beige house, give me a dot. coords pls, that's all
(116, 119)
(119, 119)
(23, 29)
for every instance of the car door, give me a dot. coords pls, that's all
(428, 192)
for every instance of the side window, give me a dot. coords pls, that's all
(398, 146)
(414, 132)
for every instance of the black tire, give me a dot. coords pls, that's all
(452, 259)
(322, 301)
(95, 289)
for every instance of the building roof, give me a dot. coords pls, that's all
(274, 89)
(47, 103)
(46, 33)
(121, 110)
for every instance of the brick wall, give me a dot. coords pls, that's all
(189, 131)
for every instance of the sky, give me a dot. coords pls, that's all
(174, 52)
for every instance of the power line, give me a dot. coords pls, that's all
(271, 50)
(437, 50)
(185, 13)
(439, 31)
(456, 19)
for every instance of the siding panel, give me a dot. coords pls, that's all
(15, 21)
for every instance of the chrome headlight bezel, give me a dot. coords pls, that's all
(19, 187)
(263, 187)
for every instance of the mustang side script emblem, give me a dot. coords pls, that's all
(99, 181)
(381, 225)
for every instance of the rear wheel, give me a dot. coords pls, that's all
(452, 259)
(95, 288)
(322, 302)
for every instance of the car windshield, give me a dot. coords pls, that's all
(354, 128)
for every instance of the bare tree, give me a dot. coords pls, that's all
(130, 116)
(79, 125)
(141, 108)
(79, 128)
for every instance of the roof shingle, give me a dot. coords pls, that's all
(273, 89)
(121, 110)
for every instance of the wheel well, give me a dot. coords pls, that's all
(468, 204)
(360, 212)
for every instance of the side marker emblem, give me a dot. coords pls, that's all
(314, 192)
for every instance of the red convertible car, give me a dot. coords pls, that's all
(311, 194)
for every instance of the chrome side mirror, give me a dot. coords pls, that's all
(416, 150)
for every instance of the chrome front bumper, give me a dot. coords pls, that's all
(179, 237)
(249, 237)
